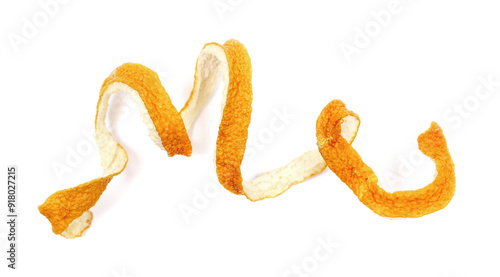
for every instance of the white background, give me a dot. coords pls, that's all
(422, 67)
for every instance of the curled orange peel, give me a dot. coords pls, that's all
(346, 163)
(68, 210)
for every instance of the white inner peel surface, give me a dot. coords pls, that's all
(211, 61)
(77, 226)
(276, 182)
(113, 157)
(349, 128)
(310, 163)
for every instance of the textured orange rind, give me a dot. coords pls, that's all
(68, 210)
(346, 163)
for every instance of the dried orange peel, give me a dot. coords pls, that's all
(68, 210)
(346, 163)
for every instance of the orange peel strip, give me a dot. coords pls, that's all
(346, 163)
(68, 210)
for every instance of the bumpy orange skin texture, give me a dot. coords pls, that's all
(236, 116)
(164, 115)
(233, 129)
(64, 206)
(346, 163)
